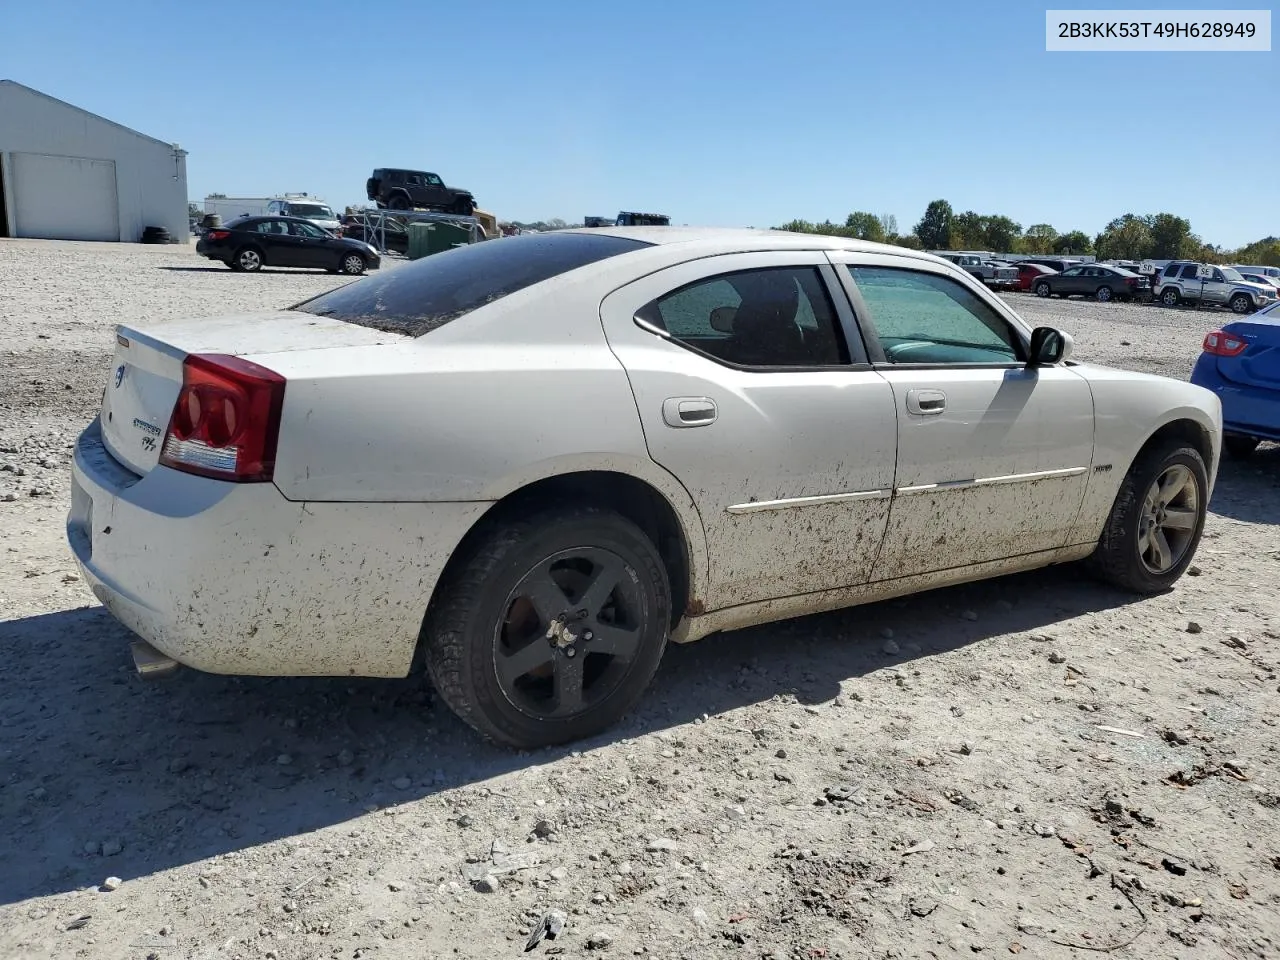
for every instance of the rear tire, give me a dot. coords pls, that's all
(1103, 294)
(399, 202)
(1043, 290)
(1240, 447)
(505, 661)
(1141, 527)
(1170, 298)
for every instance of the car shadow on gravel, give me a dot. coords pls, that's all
(229, 272)
(1249, 490)
(108, 775)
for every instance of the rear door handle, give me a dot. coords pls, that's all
(689, 411)
(926, 403)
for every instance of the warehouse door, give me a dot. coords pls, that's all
(63, 198)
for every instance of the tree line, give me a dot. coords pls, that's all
(1157, 236)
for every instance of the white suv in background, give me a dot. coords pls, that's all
(308, 208)
(1180, 281)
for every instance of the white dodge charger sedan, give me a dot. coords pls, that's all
(528, 463)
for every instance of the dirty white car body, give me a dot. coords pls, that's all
(769, 490)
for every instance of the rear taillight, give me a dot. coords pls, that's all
(226, 420)
(218, 234)
(1223, 344)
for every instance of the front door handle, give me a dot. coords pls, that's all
(689, 411)
(926, 403)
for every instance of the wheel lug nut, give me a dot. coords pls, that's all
(587, 634)
(570, 652)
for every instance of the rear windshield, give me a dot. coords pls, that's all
(421, 296)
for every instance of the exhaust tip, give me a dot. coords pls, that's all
(150, 663)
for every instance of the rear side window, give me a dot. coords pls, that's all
(428, 293)
(1189, 272)
(774, 317)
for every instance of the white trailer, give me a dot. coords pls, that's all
(228, 208)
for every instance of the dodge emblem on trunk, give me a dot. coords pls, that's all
(119, 375)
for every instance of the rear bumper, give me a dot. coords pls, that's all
(235, 579)
(1251, 411)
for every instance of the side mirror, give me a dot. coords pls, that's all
(722, 319)
(1049, 346)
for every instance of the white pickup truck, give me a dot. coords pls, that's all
(1000, 276)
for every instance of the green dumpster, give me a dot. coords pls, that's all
(428, 238)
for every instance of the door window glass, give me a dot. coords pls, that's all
(309, 230)
(928, 318)
(776, 317)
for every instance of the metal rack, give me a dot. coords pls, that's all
(374, 223)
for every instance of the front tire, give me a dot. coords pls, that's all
(549, 628)
(1241, 303)
(353, 264)
(1156, 521)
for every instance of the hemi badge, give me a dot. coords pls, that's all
(122, 340)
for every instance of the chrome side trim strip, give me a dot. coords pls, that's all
(992, 481)
(758, 506)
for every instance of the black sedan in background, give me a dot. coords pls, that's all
(251, 243)
(1094, 280)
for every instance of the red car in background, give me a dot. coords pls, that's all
(1029, 273)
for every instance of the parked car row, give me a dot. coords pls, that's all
(1242, 290)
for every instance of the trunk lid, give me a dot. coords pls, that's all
(1259, 364)
(145, 376)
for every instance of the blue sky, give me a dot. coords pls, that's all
(714, 112)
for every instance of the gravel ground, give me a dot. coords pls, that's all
(1030, 765)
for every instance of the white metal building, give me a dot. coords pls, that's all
(67, 174)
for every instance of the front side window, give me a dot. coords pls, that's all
(927, 318)
(433, 180)
(1073, 272)
(308, 230)
(775, 317)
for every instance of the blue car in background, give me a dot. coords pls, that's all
(1241, 364)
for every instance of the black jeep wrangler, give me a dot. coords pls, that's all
(417, 189)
